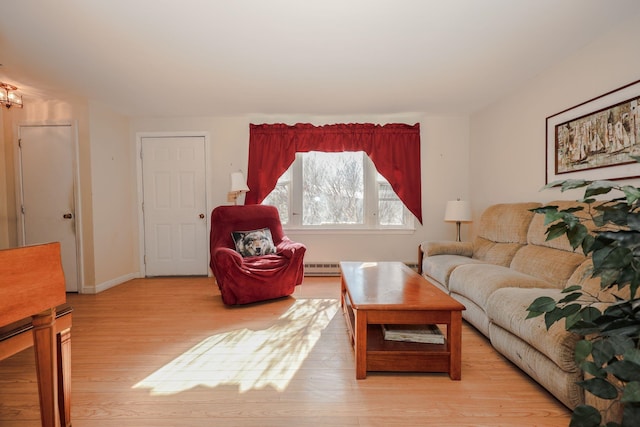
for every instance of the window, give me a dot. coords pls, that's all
(338, 191)
(394, 148)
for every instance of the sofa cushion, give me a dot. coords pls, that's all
(536, 234)
(507, 308)
(439, 267)
(551, 265)
(591, 285)
(494, 253)
(502, 231)
(562, 384)
(473, 313)
(537, 229)
(478, 281)
(506, 222)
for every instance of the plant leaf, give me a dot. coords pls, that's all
(542, 304)
(590, 314)
(600, 388)
(553, 316)
(576, 235)
(571, 297)
(632, 193)
(633, 355)
(631, 415)
(599, 187)
(602, 352)
(631, 392)
(556, 230)
(585, 416)
(570, 184)
(624, 370)
(593, 369)
(582, 351)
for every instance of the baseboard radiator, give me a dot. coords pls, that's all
(329, 269)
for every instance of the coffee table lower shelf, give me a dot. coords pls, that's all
(396, 356)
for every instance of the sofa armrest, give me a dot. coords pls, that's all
(443, 248)
(447, 248)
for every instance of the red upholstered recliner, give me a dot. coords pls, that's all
(244, 280)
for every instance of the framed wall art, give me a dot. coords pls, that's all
(594, 140)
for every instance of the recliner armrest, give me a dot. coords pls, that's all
(288, 248)
(227, 254)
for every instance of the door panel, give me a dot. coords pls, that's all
(48, 196)
(175, 224)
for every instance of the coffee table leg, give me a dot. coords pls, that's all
(360, 344)
(454, 338)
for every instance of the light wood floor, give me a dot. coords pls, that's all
(166, 352)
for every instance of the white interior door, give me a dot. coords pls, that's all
(48, 192)
(174, 206)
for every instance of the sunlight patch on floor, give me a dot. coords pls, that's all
(247, 358)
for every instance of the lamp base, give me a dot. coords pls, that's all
(458, 239)
(232, 196)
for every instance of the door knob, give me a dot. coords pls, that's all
(201, 216)
(67, 216)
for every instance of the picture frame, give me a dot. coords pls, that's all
(595, 139)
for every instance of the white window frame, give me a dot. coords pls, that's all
(370, 215)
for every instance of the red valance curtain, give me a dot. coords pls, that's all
(393, 148)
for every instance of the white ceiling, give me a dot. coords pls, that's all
(215, 57)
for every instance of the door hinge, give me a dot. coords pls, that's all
(20, 142)
(22, 209)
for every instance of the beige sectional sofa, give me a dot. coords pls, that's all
(497, 276)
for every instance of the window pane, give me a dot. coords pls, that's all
(280, 197)
(333, 188)
(390, 208)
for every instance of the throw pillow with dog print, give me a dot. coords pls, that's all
(254, 243)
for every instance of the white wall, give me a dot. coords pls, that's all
(4, 194)
(114, 196)
(445, 165)
(507, 142)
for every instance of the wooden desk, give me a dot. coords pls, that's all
(18, 336)
(32, 286)
(375, 293)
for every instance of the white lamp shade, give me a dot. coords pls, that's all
(458, 211)
(238, 182)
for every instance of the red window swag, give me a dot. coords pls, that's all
(393, 148)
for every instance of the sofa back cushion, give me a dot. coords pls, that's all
(591, 285)
(554, 266)
(536, 235)
(494, 253)
(551, 260)
(502, 231)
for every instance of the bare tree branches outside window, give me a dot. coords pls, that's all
(332, 189)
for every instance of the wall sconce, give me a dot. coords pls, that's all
(458, 211)
(238, 186)
(8, 97)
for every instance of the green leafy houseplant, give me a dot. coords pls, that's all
(609, 352)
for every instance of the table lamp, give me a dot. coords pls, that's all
(238, 186)
(458, 211)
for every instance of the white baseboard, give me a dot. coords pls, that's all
(110, 283)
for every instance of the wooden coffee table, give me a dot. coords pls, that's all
(376, 293)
